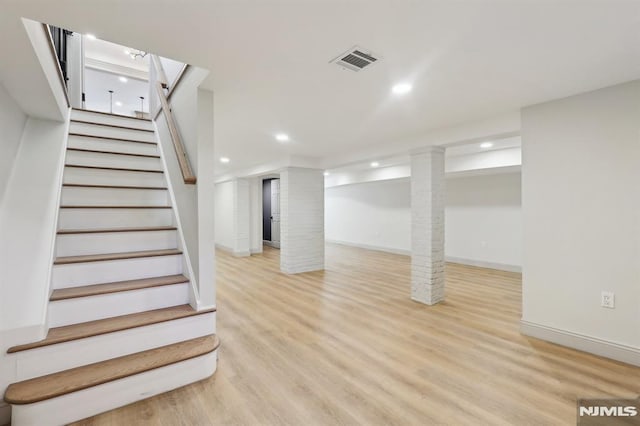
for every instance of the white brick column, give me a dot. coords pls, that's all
(427, 225)
(301, 220)
(241, 218)
(255, 214)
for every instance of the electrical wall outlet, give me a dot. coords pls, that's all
(608, 300)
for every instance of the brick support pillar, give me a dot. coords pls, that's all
(301, 220)
(427, 225)
(241, 218)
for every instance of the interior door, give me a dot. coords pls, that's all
(275, 212)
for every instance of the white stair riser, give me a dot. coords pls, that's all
(111, 145)
(75, 196)
(85, 309)
(79, 274)
(114, 218)
(97, 399)
(110, 119)
(63, 356)
(113, 177)
(114, 242)
(82, 158)
(111, 132)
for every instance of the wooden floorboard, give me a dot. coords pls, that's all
(347, 346)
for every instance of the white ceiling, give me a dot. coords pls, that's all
(467, 59)
(115, 54)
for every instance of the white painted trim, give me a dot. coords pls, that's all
(483, 264)
(256, 251)
(186, 258)
(581, 342)
(224, 248)
(271, 244)
(371, 247)
(233, 252)
(54, 230)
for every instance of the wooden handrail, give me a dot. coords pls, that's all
(161, 77)
(181, 153)
(172, 87)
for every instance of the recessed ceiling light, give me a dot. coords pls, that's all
(374, 164)
(127, 52)
(401, 88)
(123, 79)
(486, 145)
(326, 173)
(118, 103)
(224, 160)
(282, 137)
(91, 37)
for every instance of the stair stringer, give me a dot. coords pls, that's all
(187, 265)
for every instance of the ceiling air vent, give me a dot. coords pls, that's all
(355, 59)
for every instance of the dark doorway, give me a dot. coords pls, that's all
(266, 210)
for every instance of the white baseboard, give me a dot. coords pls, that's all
(470, 262)
(5, 413)
(224, 248)
(371, 247)
(233, 252)
(271, 244)
(593, 345)
(483, 264)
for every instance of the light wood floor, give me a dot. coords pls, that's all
(348, 346)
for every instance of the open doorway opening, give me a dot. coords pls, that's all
(107, 77)
(271, 212)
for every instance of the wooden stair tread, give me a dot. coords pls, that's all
(117, 126)
(115, 287)
(111, 114)
(84, 135)
(98, 151)
(76, 379)
(110, 325)
(83, 185)
(108, 230)
(114, 256)
(120, 169)
(71, 206)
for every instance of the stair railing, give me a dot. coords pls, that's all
(160, 85)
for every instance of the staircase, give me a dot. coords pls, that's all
(121, 326)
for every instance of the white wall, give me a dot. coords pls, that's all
(375, 214)
(28, 217)
(224, 215)
(12, 121)
(581, 168)
(483, 218)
